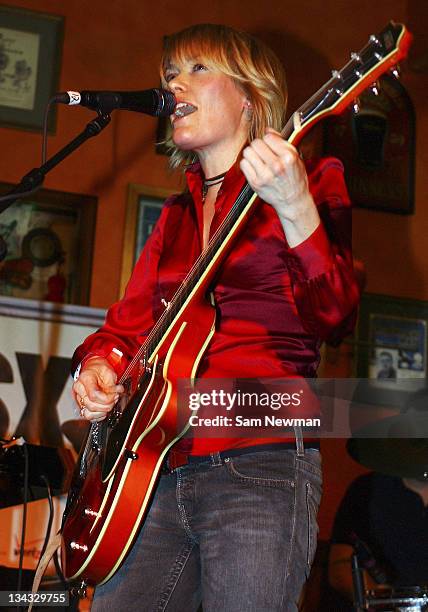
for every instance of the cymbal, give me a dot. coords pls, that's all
(403, 457)
(76, 431)
(394, 444)
(410, 424)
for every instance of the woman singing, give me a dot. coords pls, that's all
(233, 520)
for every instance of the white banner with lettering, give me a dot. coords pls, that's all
(37, 340)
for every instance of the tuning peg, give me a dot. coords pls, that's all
(378, 53)
(374, 39)
(395, 72)
(374, 88)
(356, 106)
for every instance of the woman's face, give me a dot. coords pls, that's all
(210, 114)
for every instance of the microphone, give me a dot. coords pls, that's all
(156, 102)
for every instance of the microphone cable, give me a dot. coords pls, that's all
(24, 520)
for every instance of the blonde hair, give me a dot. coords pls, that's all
(248, 61)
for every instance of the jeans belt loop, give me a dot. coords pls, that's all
(300, 447)
(216, 458)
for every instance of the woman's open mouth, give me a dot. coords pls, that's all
(183, 109)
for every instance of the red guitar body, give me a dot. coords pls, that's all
(104, 514)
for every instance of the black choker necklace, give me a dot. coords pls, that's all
(209, 182)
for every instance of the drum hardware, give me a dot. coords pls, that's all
(410, 599)
(401, 599)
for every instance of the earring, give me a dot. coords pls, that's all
(248, 110)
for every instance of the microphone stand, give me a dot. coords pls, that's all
(32, 181)
(358, 584)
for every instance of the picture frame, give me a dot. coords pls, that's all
(377, 147)
(49, 238)
(30, 59)
(391, 343)
(144, 204)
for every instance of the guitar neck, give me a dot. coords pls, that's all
(202, 274)
(380, 55)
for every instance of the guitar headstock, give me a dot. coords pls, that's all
(380, 55)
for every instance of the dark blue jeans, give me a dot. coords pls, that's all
(237, 533)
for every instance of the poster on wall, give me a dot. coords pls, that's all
(30, 60)
(18, 85)
(37, 342)
(49, 241)
(399, 351)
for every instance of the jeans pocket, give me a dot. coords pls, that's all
(261, 473)
(312, 504)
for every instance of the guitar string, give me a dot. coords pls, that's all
(345, 79)
(365, 65)
(168, 315)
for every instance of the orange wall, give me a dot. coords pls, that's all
(117, 45)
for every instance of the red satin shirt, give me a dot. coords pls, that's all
(275, 304)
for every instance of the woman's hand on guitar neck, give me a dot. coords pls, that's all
(273, 168)
(96, 391)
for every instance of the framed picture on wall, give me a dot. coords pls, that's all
(30, 56)
(143, 208)
(391, 342)
(49, 239)
(377, 148)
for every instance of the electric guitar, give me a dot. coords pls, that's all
(119, 463)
